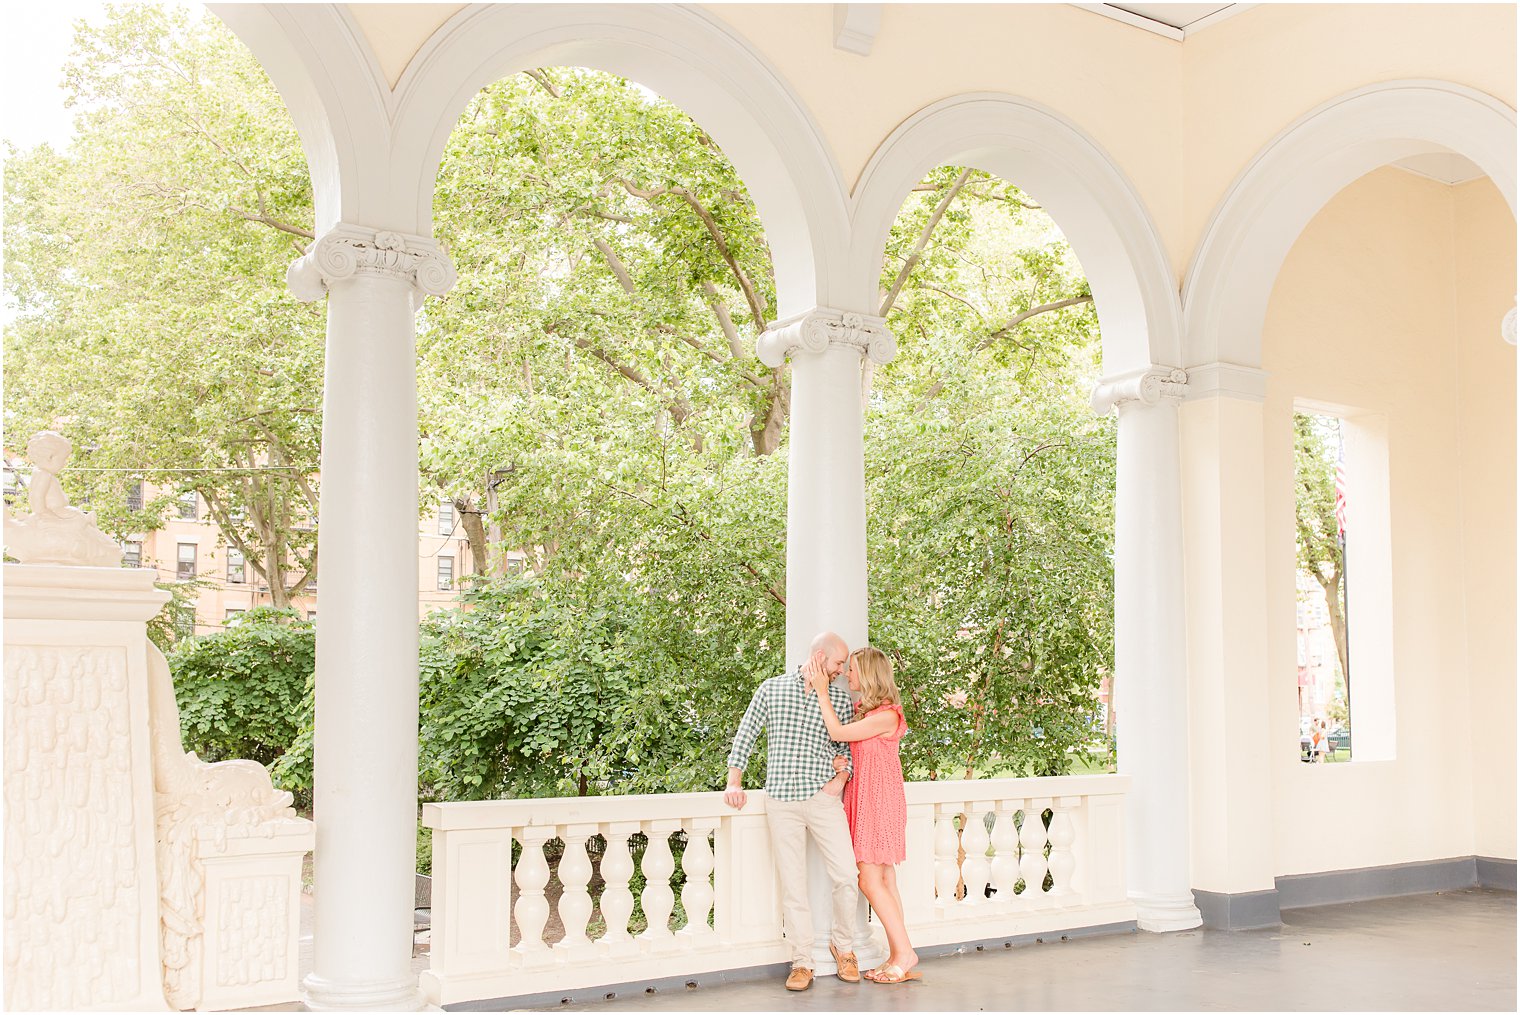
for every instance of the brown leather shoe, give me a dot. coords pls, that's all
(801, 978)
(849, 966)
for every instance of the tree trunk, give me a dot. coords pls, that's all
(475, 534)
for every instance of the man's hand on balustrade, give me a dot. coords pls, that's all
(734, 794)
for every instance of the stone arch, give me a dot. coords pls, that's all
(1230, 280)
(685, 55)
(1066, 171)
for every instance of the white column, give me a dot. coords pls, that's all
(826, 510)
(1150, 666)
(366, 693)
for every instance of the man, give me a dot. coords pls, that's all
(805, 773)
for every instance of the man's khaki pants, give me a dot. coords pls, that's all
(822, 814)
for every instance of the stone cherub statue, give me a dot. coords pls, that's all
(55, 533)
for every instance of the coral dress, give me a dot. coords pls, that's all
(874, 803)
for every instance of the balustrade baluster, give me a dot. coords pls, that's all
(1062, 861)
(1032, 864)
(975, 869)
(947, 872)
(697, 863)
(657, 897)
(575, 903)
(617, 900)
(532, 907)
(1005, 844)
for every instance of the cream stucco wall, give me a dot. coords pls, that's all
(1485, 278)
(1121, 85)
(1248, 78)
(1367, 313)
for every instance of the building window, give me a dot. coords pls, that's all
(1323, 639)
(1344, 585)
(445, 574)
(446, 518)
(135, 497)
(186, 561)
(131, 553)
(188, 506)
(311, 616)
(516, 565)
(234, 614)
(235, 566)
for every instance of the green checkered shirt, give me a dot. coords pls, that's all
(798, 752)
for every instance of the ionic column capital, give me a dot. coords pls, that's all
(347, 251)
(1149, 386)
(820, 328)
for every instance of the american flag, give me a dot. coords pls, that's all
(1340, 491)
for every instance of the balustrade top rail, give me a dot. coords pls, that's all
(480, 814)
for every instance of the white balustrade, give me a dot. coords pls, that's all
(532, 905)
(617, 900)
(657, 897)
(1005, 861)
(976, 870)
(697, 894)
(953, 858)
(1032, 866)
(575, 876)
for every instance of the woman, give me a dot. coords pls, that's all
(874, 803)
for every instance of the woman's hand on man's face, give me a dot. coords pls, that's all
(816, 676)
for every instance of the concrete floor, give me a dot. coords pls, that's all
(1448, 951)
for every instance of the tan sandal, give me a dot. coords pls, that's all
(892, 974)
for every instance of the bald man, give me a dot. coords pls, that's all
(805, 773)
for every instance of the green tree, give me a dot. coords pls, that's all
(1316, 441)
(146, 266)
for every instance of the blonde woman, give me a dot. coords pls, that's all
(874, 804)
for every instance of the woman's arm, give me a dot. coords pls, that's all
(861, 729)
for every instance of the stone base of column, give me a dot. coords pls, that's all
(1160, 914)
(321, 994)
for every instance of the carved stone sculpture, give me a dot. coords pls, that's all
(54, 533)
(199, 805)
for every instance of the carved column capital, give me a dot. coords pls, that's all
(1149, 386)
(346, 251)
(820, 328)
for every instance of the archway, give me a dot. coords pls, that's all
(1230, 279)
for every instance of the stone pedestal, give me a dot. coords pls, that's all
(81, 888)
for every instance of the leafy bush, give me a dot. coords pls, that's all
(246, 691)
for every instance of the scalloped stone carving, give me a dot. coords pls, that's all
(820, 328)
(346, 251)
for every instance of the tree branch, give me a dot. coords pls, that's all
(756, 307)
(725, 320)
(544, 81)
(1020, 318)
(923, 241)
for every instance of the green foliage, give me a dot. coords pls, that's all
(1316, 445)
(246, 691)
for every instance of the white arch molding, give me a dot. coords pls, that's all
(374, 151)
(1076, 181)
(1230, 280)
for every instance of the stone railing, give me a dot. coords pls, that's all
(993, 858)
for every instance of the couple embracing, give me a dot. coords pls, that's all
(832, 771)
